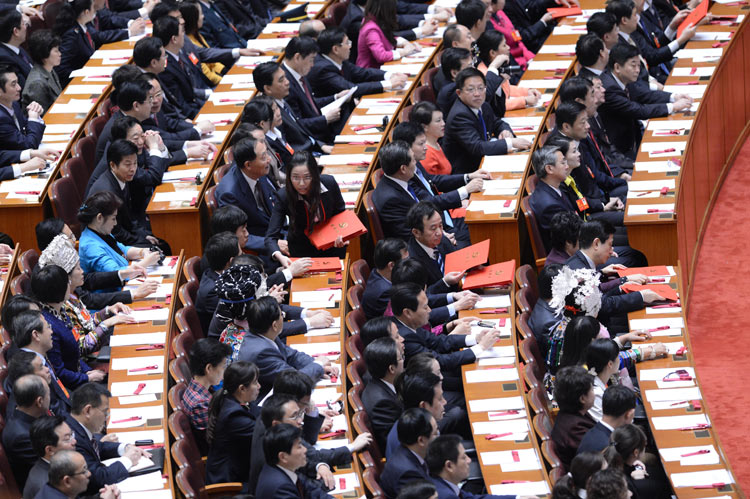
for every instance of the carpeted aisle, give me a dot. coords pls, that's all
(718, 320)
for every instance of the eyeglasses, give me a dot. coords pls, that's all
(82, 472)
(301, 180)
(473, 90)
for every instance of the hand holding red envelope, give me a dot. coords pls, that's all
(663, 290)
(466, 258)
(493, 275)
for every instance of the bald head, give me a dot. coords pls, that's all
(68, 473)
(32, 393)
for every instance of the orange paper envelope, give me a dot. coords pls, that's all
(694, 17)
(464, 259)
(558, 12)
(656, 270)
(494, 275)
(663, 290)
(346, 224)
(323, 264)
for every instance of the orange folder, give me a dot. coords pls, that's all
(664, 290)
(493, 275)
(464, 259)
(558, 12)
(694, 17)
(324, 264)
(656, 270)
(346, 224)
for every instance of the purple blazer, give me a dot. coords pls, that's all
(373, 48)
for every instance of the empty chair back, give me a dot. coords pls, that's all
(28, 260)
(187, 320)
(376, 229)
(360, 271)
(65, 202)
(179, 369)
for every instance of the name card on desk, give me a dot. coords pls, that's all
(678, 422)
(126, 340)
(328, 295)
(512, 460)
(505, 328)
(492, 374)
(407, 69)
(375, 102)
(175, 196)
(535, 65)
(521, 488)
(524, 123)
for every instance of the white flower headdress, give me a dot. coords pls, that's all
(584, 283)
(60, 252)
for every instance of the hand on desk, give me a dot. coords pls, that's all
(277, 291)
(533, 97)
(327, 149)
(398, 80)
(325, 474)
(650, 296)
(429, 27)
(118, 319)
(465, 300)
(32, 165)
(109, 492)
(481, 173)
(205, 127)
(250, 52)
(135, 453)
(330, 370)
(475, 185)
(487, 338)
(299, 266)
(320, 318)
(145, 289)
(634, 337)
(132, 271)
(520, 144)
(118, 308)
(95, 375)
(137, 27)
(46, 153)
(149, 258)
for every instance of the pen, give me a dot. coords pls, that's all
(516, 457)
(507, 203)
(221, 122)
(676, 131)
(720, 44)
(147, 368)
(359, 163)
(701, 426)
(151, 307)
(140, 388)
(505, 366)
(126, 420)
(330, 287)
(231, 100)
(713, 485)
(173, 262)
(493, 436)
(156, 346)
(666, 305)
(389, 101)
(342, 483)
(28, 193)
(552, 78)
(566, 53)
(324, 354)
(671, 149)
(643, 193)
(334, 379)
(660, 328)
(681, 350)
(693, 71)
(693, 82)
(333, 434)
(364, 127)
(654, 210)
(515, 481)
(696, 453)
(494, 311)
(523, 128)
(361, 143)
(679, 403)
(502, 413)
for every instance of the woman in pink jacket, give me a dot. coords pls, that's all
(377, 44)
(502, 23)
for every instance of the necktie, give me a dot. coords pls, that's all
(260, 198)
(428, 187)
(15, 120)
(90, 40)
(96, 22)
(593, 139)
(484, 126)
(411, 191)
(25, 57)
(306, 88)
(438, 258)
(300, 488)
(95, 445)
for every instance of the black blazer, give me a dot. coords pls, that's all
(296, 132)
(27, 135)
(401, 468)
(206, 300)
(149, 173)
(131, 225)
(326, 79)
(96, 281)
(617, 161)
(595, 440)
(445, 347)
(76, 49)
(299, 244)
(242, 15)
(170, 128)
(545, 202)
(38, 476)
(229, 453)
(100, 475)
(393, 203)
(464, 144)
(383, 408)
(17, 445)
(526, 18)
(21, 63)
(308, 114)
(178, 77)
(435, 271)
(273, 482)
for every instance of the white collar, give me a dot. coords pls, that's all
(251, 182)
(590, 263)
(430, 251)
(291, 474)
(389, 385)
(281, 103)
(295, 74)
(9, 109)
(408, 327)
(419, 458)
(13, 48)
(119, 182)
(274, 133)
(619, 83)
(626, 36)
(452, 486)
(610, 428)
(83, 27)
(404, 185)
(597, 72)
(338, 66)
(176, 56)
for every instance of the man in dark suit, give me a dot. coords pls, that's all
(618, 404)
(49, 435)
(531, 19)
(171, 128)
(69, 477)
(220, 249)
(246, 186)
(626, 104)
(416, 429)
(32, 402)
(88, 417)
(428, 244)
(387, 253)
(285, 454)
(471, 125)
(248, 17)
(217, 29)
(16, 131)
(13, 30)
(384, 363)
(333, 72)
(271, 79)
(448, 464)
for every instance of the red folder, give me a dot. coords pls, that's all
(464, 259)
(322, 264)
(346, 224)
(694, 17)
(656, 270)
(664, 290)
(558, 12)
(493, 275)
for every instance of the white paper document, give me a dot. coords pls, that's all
(673, 394)
(124, 340)
(540, 488)
(157, 314)
(650, 209)
(149, 481)
(678, 422)
(496, 404)
(337, 103)
(345, 159)
(493, 301)
(506, 163)
(512, 460)
(139, 365)
(496, 374)
(701, 478)
(691, 456)
(514, 426)
(331, 348)
(123, 388)
(134, 417)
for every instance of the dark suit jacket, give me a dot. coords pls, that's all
(273, 482)
(27, 135)
(567, 433)
(617, 161)
(401, 468)
(49, 492)
(308, 114)
(445, 347)
(545, 202)
(435, 271)
(620, 113)
(210, 53)
(444, 188)
(206, 300)
(299, 136)
(446, 492)
(234, 189)
(299, 243)
(76, 50)
(171, 128)
(218, 30)
(229, 454)
(98, 281)
(38, 476)
(242, 16)
(376, 296)
(526, 18)
(132, 227)
(271, 361)
(595, 440)
(383, 408)
(178, 77)
(17, 445)
(65, 354)
(41, 86)
(100, 475)
(464, 143)
(326, 79)
(542, 319)
(21, 63)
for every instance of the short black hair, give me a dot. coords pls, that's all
(20, 365)
(263, 75)
(409, 270)
(5, 69)
(220, 249)
(415, 388)
(257, 110)
(279, 438)
(41, 42)
(228, 218)
(393, 156)
(417, 489)
(568, 112)
(421, 113)
(49, 284)
(262, 313)
(467, 73)
(162, 9)
(133, 91)
(621, 53)
(620, 9)
(544, 281)
(601, 352)
(293, 382)
(87, 394)
(104, 202)
(414, 423)
(404, 296)
(329, 38)
(119, 149)
(572, 383)
(244, 129)
(451, 34)
(121, 126)
(407, 132)
(23, 326)
(28, 388)
(617, 400)
(165, 28)
(9, 20)
(417, 213)
(146, 50)
(601, 23)
(388, 250)
(207, 351)
(469, 12)
(47, 230)
(443, 448)
(302, 45)
(244, 151)
(273, 408)
(595, 229)
(377, 327)
(451, 60)
(575, 88)
(380, 355)
(588, 48)
(488, 41)
(42, 433)
(564, 228)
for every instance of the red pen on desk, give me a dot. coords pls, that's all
(671, 149)
(693, 71)
(713, 485)
(693, 82)
(126, 420)
(701, 426)
(654, 210)
(329, 287)
(507, 203)
(331, 297)
(333, 434)
(660, 328)
(140, 388)
(157, 346)
(342, 483)
(644, 193)
(565, 53)
(696, 453)
(389, 101)
(666, 305)
(502, 413)
(493, 436)
(363, 127)
(147, 368)
(552, 78)
(516, 457)
(28, 193)
(221, 122)
(676, 131)
(325, 354)
(523, 128)
(359, 163)
(664, 191)
(679, 403)
(720, 44)
(334, 379)
(361, 143)
(150, 307)
(173, 262)
(515, 481)
(495, 311)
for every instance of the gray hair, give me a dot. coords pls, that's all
(542, 157)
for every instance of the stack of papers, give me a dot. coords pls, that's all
(493, 301)
(125, 340)
(496, 404)
(515, 460)
(678, 422)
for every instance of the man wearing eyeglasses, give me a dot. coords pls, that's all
(69, 476)
(472, 130)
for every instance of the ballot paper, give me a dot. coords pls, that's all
(345, 482)
(112, 54)
(497, 351)
(664, 149)
(407, 69)
(365, 119)
(708, 455)
(502, 184)
(337, 103)
(239, 78)
(320, 396)
(61, 128)
(25, 184)
(492, 206)
(149, 481)
(162, 291)
(521, 488)
(492, 374)
(126, 340)
(217, 136)
(350, 180)
(566, 29)
(518, 427)
(493, 301)
(551, 83)
(655, 125)
(147, 494)
(697, 72)
(535, 65)
(156, 314)
(506, 163)
(190, 173)
(344, 159)
(329, 349)
(701, 478)
(249, 61)
(97, 71)
(123, 388)
(497, 361)
(230, 98)
(92, 89)
(667, 166)
(664, 311)
(270, 44)
(137, 399)
(359, 139)
(512, 460)
(172, 196)
(643, 209)
(131, 437)
(133, 417)
(658, 374)
(332, 443)
(699, 54)
(388, 109)
(673, 394)
(328, 295)
(646, 324)
(418, 57)
(334, 328)
(374, 102)
(281, 28)
(678, 422)
(651, 185)
(557, 49)
(139, 365)
(694, 91)
(705, 36)
(496, 404)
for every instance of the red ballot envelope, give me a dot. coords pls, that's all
(346, 224)
(558, 12)
(664, 290)
(694, 17)
(494, 275)
(656, 270)
(464, 259)
(330, 264)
